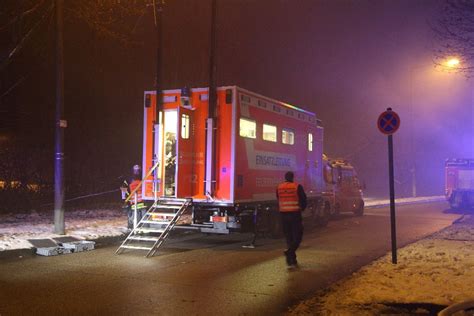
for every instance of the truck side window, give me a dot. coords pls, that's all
(248, 128)
(269, 133)
(349, 178)
(288, 136)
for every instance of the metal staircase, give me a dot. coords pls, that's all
(154, 228)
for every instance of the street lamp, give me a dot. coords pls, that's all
(453, 62)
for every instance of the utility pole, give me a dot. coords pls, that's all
(60, 125)
(413, 133)
(210, 186)
(158, 16)
(159, 117)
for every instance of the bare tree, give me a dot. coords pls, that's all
(454, 34)
(26, 25)
(111, 18)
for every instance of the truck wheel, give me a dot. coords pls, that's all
(325, 215)
(359, 211)
(456, 202)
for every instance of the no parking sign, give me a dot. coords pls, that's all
(388, 122)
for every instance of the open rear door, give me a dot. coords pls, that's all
(186, 173)
(152, 145)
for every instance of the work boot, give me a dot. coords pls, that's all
(288, 258)
(292, 263)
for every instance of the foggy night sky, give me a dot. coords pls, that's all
(345, 60)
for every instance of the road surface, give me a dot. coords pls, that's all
(208, 275)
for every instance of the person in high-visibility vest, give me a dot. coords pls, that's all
(134, 201)
(292, 201)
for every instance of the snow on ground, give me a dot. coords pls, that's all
(16, 229)
(436, 270)
(371, 202)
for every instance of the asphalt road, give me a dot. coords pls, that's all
(207, 275)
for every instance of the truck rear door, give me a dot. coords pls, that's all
(187, 178)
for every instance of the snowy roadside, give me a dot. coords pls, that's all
(17, 229)
(431, 274)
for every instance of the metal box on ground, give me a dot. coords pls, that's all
(49, 247)
(52, 251)
(78, 246)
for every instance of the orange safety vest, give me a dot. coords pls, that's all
(288, 197)
(133, 185)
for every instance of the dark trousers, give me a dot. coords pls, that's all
(292, 225)
(140, 213)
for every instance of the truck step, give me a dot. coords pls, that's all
(161, 214)
(154, 222)
(149, 230)
(162, 211)
(175, 201)
(143, 238)
(136, 247)
(172, 207)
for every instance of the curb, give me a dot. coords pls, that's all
(405, 201)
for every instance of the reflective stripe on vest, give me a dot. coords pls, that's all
(288, 197)
(139, 206)
(133, 185)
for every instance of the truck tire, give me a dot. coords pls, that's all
(359, 211)
(323, 215)
(456, 201)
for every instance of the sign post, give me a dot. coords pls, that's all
(388, 123)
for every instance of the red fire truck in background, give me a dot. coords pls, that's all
(343, 191)
(460, 182)
(256, 140)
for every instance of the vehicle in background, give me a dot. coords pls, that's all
(343, 190)
(459, 182)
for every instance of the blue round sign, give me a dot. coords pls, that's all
(388, 122)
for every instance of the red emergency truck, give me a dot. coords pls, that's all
(343, 191)
(460, 182)
(256, 140)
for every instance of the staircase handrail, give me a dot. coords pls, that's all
(141, 182)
